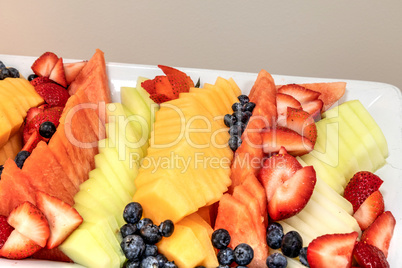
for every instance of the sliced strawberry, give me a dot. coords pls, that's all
(149, 86)
(294, 143)
(301, 122)
(361, 186)
(32, 141)
(283, 101)
(44, 64)
(332, 250)
(380, 232)
(32, 112)
(276, 170)
(72, 69)
(292, 196)
(18, 247)
(314, 108)
(300, 93)
(5, 230)
(57, 74)
(179, 84)
(40, 80)
(371, 208)
(173, 71)
(159, 98)
(163, 86)
(53, 94)
(51, 114)
(63, 219)
(368, 256)
(28, 220)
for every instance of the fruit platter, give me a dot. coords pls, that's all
(321, 144)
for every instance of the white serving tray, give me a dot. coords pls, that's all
(383, 101)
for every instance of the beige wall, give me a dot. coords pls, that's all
(336, 39)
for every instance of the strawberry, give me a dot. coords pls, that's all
(44, 64)
(72, 69)
(63, 219)
(163, 86)
(57, 74)
(149, 86)
(40, 80)
(32, 112)
(371, 208)
(53, 94)
(288, 185)
(18, 246)
(361, 186)
(380, 232)
(283, 101)
(332, 250)
(51, 114)
(314, 108)
(159, 98)
(172, 71)
(301, 122)
(5, 230)
(29, 221)
(294, 143)
(300, 93)
(368, 256)
(179, 84)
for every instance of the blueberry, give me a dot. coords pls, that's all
(150, 250)
(14, 72)
(150, 233)
(128, 229)
(223, 266)
(2, 65)
(276, 260)
(237, 107)
(229, 120)
(200, 266)
(292, 243)
(166, 228)
(235, 130)
(143, 222)
(220, 238)
(161, 260)
(32, 77)
(149, 262)
(240, 117)
(242, 126)
(133, 247)
(170, 264)
(1, 170)
(303, 257)
(225, 256)
(47, 129)
(274, 235)
(132, 212)
(248, 114)
(243, 254)
(21, 157)
(4, 73)
(243, 99)
(249, 106)
(133, 264)
(234, 142)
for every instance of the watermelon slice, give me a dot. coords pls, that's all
(235, 217)
(15, 188)
(254, 187)
(38, 167)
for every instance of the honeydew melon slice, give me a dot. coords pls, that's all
(291, 262)
(348, 136)
(131, 99)
(102, 163)
(312, 221)
(145, 96)
(370, 123)
(349, 117)
(303, 227)
(287, 228)
(82, 246)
